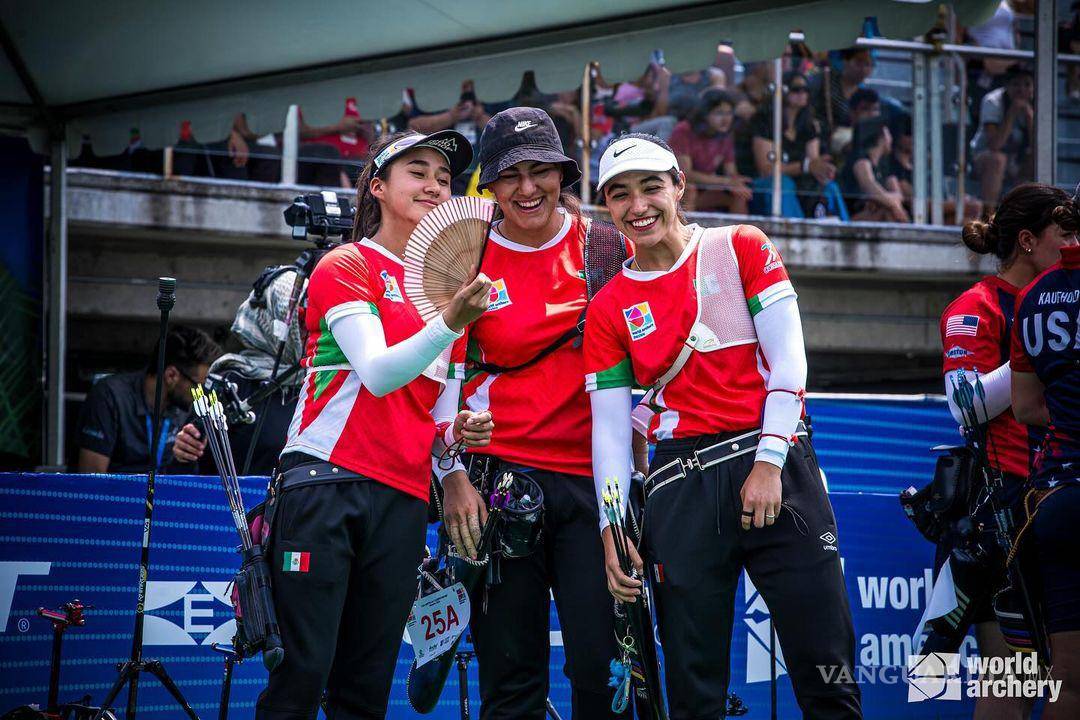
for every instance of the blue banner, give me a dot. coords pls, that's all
(78, 536)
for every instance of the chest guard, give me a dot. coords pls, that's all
(723, 318)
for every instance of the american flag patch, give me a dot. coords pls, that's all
(962, 325)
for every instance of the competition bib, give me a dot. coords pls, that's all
(436, 621)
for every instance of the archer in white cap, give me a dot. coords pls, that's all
(707, 319)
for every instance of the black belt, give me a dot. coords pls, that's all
(315, 473)
(707, 457)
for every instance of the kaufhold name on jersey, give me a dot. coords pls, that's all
(1059, 297)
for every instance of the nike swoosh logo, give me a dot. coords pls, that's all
(617, 153)
(524, 125)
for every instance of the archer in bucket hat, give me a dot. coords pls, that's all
(519, 134)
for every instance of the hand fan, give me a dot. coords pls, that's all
(444, 252)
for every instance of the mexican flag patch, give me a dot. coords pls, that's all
(296, 562)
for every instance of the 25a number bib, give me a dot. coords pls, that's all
(436, 621)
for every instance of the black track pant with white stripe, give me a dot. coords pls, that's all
(696, 549)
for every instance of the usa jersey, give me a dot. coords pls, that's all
(975, 331)
(638, 323)
(541, 413)
(337, 419)
(1046, 341)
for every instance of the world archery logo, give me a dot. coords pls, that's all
(772, 259)
(393, 292)
(639, 320)
(498, 297)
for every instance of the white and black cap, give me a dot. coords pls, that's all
(633, 154)
(450, 144)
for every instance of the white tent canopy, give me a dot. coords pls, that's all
(102, 68)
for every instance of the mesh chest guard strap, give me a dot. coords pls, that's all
(604, 253)
(723, 317)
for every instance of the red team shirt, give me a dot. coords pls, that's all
(337, 419)
(637, 324)
(542, 417)
(975, 337)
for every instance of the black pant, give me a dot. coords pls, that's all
(695, 548)
(510, 625)
(341, 620)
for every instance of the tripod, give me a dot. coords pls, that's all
(129, 671)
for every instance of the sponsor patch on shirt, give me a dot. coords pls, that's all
(962, 325)
(393, 292)
(772, 259)
(498, 297)
(639, 320)
(956, 352)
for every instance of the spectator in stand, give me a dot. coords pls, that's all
(871, 192)
(683, 91)
(704, 145)
(1069, 41)
(115, 425)
(322, 148)
(1002, 146)
(832, 91)
(754, 89)
(902, 165)
(806, 172)
(350, 136)
(249, 156)
(1000, 31)
(864, 103)
(468, 117)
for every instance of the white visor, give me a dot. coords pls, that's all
(630, 155)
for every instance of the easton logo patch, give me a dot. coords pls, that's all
(393, 292)
(639, 320)
(956, 352)
(498, 297)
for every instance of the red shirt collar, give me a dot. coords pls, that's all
(1070, 256)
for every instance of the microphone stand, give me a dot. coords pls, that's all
(129, 671)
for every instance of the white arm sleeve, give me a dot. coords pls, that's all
(779, 331)
(997, 386)
(445, 410)
(612, 446)
(381, 369)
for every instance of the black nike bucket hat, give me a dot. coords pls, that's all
(519, 134)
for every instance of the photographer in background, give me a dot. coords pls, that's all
(250, 370)
(115, 425)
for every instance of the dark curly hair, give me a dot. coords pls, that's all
(186, 348)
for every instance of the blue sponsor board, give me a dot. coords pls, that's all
(69, 536)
